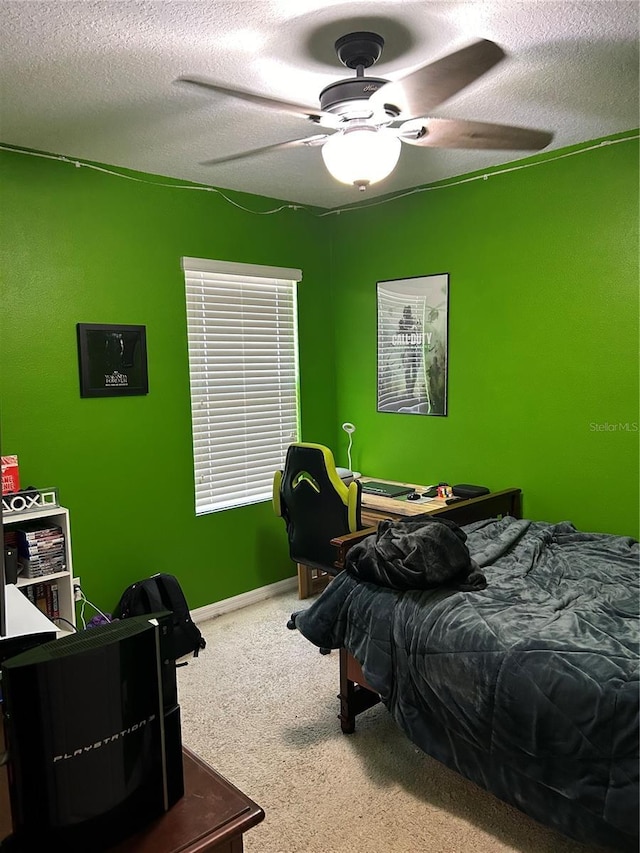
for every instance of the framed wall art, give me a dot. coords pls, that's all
(112, 360)
(413, 334)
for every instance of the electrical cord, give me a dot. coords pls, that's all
(485, 176)
(62, 619)
(85, 600)
(549, 157)
(177, 186)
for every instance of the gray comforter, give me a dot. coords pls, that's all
(529, 686)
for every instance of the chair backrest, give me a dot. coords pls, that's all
(315, 504)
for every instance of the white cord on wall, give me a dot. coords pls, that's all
(499, 170)
(83, 598)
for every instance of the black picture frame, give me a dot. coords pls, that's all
(413, 345)
(112, 360)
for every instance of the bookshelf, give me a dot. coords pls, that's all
(32, 587)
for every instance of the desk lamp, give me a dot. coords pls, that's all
(349, 428)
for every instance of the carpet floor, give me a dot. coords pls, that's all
(259, 704)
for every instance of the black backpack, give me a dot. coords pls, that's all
(163, 592)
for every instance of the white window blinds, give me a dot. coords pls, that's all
(243, 367)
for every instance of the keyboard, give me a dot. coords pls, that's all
(385, 490)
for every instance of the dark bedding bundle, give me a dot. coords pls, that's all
(423, 553)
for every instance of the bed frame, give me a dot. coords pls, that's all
(355, 694)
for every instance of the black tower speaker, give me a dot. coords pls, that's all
(94, 739)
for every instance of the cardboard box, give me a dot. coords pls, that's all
(10, 475)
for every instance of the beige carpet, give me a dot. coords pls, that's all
(260, 705)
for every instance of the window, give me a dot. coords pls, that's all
(243, 368)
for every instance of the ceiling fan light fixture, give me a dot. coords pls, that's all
(361, 155)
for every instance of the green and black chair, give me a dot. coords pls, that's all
(316, 506)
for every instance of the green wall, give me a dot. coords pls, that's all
(543, 343)
(79, 245)
(543, 334)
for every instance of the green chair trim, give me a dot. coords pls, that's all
(305, 477)
(330, 465)
(275, 494)
(352, 506)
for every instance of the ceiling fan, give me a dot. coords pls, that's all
(365, 119)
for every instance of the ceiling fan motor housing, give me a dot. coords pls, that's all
(337, 97)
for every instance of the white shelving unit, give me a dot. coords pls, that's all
(59, 516)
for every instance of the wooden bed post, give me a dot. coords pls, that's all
(355, 694)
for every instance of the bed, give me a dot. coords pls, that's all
(527, 685)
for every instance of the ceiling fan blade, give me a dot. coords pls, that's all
(314, 115)
(459, 133)
(309, 142)
(427, 87)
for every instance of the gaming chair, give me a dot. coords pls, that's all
(315, 504)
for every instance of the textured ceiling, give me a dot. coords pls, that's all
(95, 80)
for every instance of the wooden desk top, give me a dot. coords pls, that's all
(211, 816)
(466, 511)
(399, 506)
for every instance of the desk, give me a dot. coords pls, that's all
(212, 816)
(375, 508)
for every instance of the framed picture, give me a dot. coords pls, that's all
(112, 360)
(413, 333)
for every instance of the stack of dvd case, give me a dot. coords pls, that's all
(41, 550)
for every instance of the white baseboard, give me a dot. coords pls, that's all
(208, 611)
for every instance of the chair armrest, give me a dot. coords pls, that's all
(343, 543)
